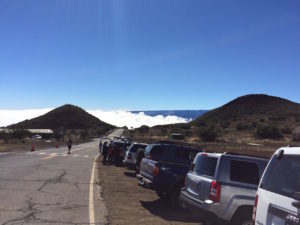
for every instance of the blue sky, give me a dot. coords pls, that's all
(146, 55)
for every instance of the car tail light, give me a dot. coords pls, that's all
(155, 171)
(129, 156)
(149, 156)
(215, 191)
(254, 210)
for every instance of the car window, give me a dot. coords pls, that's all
(184, 155)
(282, 176)
(244, 172)
(157, 152)
(135, 147)
(205, 165)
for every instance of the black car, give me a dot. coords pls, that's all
(165, 166)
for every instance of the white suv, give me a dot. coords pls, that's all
(130, 155)
(278, 195)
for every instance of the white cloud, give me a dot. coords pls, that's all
(8, 116)
(122, 118)
(116, 117)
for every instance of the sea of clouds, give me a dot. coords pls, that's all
(118, 118)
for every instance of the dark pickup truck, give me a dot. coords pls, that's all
(164, 168)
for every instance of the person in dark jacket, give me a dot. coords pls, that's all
(69, 146)
(104, 152)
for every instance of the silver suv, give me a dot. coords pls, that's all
(222, 187)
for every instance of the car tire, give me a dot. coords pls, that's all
(243, 218)
(162, 194)
(174, 196)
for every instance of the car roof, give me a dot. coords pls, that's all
(289, 150)
(211, 154)
(140, 144)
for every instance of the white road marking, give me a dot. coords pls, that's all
(91, 197)
(85, 156)
(75, 156)
(42, 153)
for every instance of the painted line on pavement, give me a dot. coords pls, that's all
(91, 197)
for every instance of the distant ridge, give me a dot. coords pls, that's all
(67, 116)
(246, 119)
(255, 107)
(187, 114)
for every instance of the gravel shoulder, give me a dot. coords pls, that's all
(129, 203)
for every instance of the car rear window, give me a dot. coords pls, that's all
(157, 152)
(185, 155)
(205, 165)
(134, 148)
(244, 172)
(282, 176)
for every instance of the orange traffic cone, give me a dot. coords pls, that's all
(32, 148)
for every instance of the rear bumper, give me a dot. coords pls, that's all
(207, 211)
(144, 181)
(128, 164)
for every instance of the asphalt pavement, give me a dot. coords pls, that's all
(51, 187)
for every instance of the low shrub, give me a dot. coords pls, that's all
(286, 130)
(242, 126)
(268, 132)
(208, 134)
(296, 134)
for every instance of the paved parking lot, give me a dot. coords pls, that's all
(128, 203)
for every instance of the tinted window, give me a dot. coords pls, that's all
(185, 155)
(135, 147)
(244, 172)
(205, 165)
(156, 152)
(283, 176)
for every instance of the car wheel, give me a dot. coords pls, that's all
(243, 218)
(174, 197)
(162, 194)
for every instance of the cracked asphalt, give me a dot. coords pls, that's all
(49, 186)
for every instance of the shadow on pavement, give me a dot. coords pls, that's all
(163, 209)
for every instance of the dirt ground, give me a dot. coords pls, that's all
(129, 203)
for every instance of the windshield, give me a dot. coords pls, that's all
(283, 176)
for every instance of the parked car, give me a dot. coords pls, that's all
(278, 195)
(164, 168)
(131, 153)
(222, 187)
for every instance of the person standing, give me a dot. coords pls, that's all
(69, 146)
(100, 146)
(104, 152)
(110, 153)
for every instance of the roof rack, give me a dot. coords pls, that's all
(292, 146)
(241, 154)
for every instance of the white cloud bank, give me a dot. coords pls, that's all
(118, 118)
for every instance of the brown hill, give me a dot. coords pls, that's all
(253, 108)
(67, 116)
(247, 119)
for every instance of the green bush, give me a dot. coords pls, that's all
(208, 134)
(268, 132)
